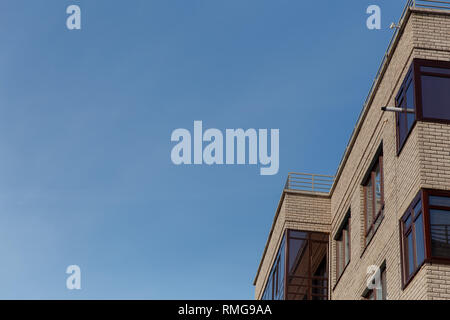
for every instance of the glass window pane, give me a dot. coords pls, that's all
(418, 208)
(435, 97)
(268, 292)
(435, 70)
(302, 262)
(275, 283)
(410, 118)
(440, 233)
(369, 205)
(340, 264)
(408, 222)
(378, 203)
(298, 234)
(402, 125)
(410, 254)
(346, 247)
(420, 243)
(410, 104)
(281, 275)
(296, 249)
(439, 201)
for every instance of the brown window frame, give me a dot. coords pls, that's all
(406, 231)
(340, 241)
(377, 217)
(273, 279)
(414, 74)
(410, 79)
(423, 195)
(291, 288)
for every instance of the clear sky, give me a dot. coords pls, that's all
(86, 118)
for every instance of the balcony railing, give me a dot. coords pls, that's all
(309, 182)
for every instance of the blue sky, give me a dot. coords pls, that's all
(85, 124)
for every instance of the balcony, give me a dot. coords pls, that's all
(303, 257)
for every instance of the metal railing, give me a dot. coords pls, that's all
(430, 4)
(309, 182)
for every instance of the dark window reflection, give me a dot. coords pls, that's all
(440, 233)
(436, 97)
(307, 261)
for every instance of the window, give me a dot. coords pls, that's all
(275, 284)
(435, 91)
(413, 237)
(405, 100)
(426, 90)
(439, 207)
(319, 282)
(300, 268)
(374, 197)
(307, 261)
(425, 229)
(379, 293)
(343, 246)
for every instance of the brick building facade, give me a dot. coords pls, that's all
(389, 204)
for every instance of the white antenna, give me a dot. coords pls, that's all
(394, 26)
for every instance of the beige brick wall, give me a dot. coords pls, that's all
(434, 142)
(423, 163)
(308, 212)
(438, 282)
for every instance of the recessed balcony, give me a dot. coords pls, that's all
(300, 270)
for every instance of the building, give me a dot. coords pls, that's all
(384, 219)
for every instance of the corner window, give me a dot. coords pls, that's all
(426, 90)
(439, 207)
(374, 197)
(425, 229)
(300, 268)
(343, 246)
(435, 91)
(413, 238)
